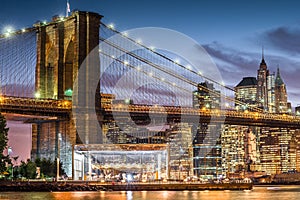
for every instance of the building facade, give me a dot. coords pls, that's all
(280, 94)
(245, 93)
(206, 96)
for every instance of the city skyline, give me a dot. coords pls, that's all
(256, 127)
(232, 33)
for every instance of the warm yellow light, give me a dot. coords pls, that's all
(37, 95)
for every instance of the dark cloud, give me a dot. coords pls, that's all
(234, 65)
(284, 38)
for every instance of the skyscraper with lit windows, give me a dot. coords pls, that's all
(262, 91)
(281, 103)
(245, 92)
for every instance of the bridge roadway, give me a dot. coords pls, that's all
(63, 108)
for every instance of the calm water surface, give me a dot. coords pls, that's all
(261, 193)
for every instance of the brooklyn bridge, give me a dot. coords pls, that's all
(101, 100)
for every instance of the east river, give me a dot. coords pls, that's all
(258, 192)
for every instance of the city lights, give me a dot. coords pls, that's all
(37, 95)
(247, 135)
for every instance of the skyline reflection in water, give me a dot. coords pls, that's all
(258, 193)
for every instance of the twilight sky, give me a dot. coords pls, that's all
(233, 31)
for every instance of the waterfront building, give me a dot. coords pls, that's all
(239, 149)
(180, 143)
(278, 150)
(207, 151)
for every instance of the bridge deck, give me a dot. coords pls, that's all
(63, 108)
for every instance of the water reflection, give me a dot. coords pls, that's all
(259, 193)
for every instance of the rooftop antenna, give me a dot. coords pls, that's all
(262, 53)
(68, 10)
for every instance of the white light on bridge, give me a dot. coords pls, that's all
(139, 41)
(111, 26)
(23, 30)
(8, 31)
(126, 62)
(37, 95)
(199, 72)
(177, 61)
(189, 67)
(152, 48)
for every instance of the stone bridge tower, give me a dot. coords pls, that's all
(62, 47)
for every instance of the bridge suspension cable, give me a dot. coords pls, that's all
(17, 63)
(156, 66)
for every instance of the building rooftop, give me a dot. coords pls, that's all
(247, 81)
(278, 80)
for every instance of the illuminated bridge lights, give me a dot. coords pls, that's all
(65, 106)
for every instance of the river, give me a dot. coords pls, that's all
(258, 192)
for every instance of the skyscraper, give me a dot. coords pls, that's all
(281, 103)
(206, 96)
(262, 92)
(245, 92)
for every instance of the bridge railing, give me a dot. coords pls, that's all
(201, 112)
(18, 102)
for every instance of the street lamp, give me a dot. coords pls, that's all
(9, 152)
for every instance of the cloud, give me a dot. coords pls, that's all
(235, 64)
(284, 38)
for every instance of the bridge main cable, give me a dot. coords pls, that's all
(166, 71)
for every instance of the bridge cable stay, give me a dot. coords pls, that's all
(169, 72)
(273, 116)
(17, 63)
(165, 71)
(166, 57)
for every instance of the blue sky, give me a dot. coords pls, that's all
(233, 32)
